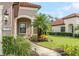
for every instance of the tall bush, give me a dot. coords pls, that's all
(23, 47)
(8, 45)
(18, 46)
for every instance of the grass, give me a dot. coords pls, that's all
(60, 41)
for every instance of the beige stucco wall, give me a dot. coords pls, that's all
(7, 29)
(1, 51)
(77, 23)
(57, 28)
(27, 11)
(73, 21)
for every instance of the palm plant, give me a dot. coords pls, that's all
(42, 24)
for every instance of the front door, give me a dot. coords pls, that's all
(22, 28)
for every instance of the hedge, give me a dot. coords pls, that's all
(63, 34)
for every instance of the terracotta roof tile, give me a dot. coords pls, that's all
(61, 21)
(58, 22)
(27, 4)
(71, 16)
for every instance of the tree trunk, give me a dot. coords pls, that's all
(39, 33)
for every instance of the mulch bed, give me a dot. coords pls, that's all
(61, 51)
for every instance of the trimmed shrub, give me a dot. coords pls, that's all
(43, 38)
(63, 34)
(76, 35)
(60, 33)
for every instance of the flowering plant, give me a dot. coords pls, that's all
(43, 38)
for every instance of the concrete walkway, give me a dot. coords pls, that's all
(42, 51)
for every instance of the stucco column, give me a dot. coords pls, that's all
(32, 20)
(15, 28)
(1, 8)
(65, 28)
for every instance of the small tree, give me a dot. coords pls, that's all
(42, 24)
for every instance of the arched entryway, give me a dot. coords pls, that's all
(23, 27)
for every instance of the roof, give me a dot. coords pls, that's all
(71, 16)
(58, 22)
(23, 4)
(61, 21)
(27, 4)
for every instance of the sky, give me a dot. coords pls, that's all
(58, 9)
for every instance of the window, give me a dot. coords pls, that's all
(62, 29)
(22, 28)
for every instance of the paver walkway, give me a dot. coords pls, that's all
(42, 51)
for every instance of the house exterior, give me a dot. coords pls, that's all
(16, 18)
(66, 24)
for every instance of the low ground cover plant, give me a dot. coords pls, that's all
(71, 50)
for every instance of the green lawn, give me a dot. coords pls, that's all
(68, 43)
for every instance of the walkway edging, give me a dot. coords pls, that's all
(43, 51)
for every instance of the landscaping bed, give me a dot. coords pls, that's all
(17, 47)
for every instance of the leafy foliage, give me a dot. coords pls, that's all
(71, 50)
(43, 38)
(61, 33)
(64, 34)
(42, 23)
(22, 47)
(18, 46)
(8, 46)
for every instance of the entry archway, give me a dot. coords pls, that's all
(24, 26)
(25, 22)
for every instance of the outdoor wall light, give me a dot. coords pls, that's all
(6, 15)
